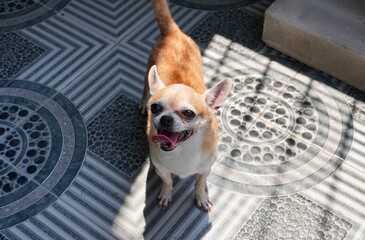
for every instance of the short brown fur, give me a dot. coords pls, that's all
(176, 55)
(175, 76)
(178, 61)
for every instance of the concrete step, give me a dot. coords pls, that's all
(328, 35)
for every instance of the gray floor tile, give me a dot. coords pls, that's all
(343, 195)
(73, 155)
(69, 50)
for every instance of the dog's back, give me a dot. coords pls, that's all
(176, 55)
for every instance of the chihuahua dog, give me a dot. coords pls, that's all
(182, 125)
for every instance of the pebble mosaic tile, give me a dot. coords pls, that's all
(74, 160)
(16, 53)
(241, 29)
(356, 99)
(118, 135)
(15, 6)
(293, 217)
(215, 4)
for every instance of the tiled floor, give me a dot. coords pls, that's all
(73, 152)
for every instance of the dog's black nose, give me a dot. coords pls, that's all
(166, 121)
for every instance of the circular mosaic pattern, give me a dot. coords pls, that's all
(42, 146)
(15, 6)
(214, 4)
(255, 118)
(277, 136)
(245, 106)
(17, 14)
(27, 147)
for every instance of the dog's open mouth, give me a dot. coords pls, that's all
(169, 140)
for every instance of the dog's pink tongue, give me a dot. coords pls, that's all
(166, 138)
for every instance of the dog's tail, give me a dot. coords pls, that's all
(164, 19)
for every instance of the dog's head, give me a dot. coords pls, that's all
(177, 112)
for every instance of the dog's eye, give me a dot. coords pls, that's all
(188, 114)
(155, 108)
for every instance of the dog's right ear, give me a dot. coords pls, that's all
(154, 80)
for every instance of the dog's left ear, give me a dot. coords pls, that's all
(154, 80)
(217, 94)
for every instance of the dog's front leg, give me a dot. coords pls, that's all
(165, 195)
(202, 198)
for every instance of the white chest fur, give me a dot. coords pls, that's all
(185, 160)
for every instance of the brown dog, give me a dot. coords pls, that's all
(182, 126)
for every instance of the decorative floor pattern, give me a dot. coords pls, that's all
(17, 14)
(214, 5)
(293, 217)
(17, 53)
(74, 159)
(237, 27)
(43, 143)
(118, 135)
(276, 132)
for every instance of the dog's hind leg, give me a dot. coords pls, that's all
(144, 100)
(146, 89)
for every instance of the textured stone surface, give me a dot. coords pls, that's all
(267, 143)
(42, 147)
(214, 4)
(15, 6)
(118, 136)
(356, 99)
(293, 217)
(16, 53)
(231, 30)
(31, 138)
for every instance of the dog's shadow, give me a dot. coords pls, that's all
(182, 219)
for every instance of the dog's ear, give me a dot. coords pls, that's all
(154, 80)
(217, 94)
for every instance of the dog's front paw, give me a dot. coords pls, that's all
(165, 198)
(203, 202)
